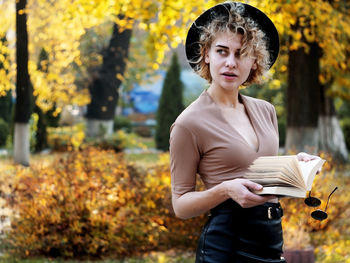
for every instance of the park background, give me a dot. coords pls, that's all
(88, 92)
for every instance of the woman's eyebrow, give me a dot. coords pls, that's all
(222, 46)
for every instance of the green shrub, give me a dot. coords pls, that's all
(170, 104)
(122, 123)
(143, 131)
(4, 132)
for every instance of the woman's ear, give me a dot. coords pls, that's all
(206, 57)
(254, 66)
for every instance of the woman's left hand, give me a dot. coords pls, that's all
(305, 157)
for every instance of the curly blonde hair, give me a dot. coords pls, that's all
(253, 42)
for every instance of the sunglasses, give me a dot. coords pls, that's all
(314, 202)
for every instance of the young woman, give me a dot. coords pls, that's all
(222, 132)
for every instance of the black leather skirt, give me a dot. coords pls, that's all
(235, 234)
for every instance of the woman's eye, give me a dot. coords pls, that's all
(221, 51)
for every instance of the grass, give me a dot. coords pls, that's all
(135, 141)
(142, 158)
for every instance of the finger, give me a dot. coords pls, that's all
(252, 197)
(305, 158)
(252, 186)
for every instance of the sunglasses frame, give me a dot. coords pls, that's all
(312, 201)
(318, 214)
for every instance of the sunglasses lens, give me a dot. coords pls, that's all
(319, 215)
(312, 201)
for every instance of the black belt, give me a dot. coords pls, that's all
(267, 211)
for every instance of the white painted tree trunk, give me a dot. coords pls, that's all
(302, 139)
(327, 137)
(331, 137)
(21, 147)
(98, 128)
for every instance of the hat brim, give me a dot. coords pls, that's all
(263, 22)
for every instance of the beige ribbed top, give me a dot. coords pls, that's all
(203, 142)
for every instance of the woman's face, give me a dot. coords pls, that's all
(228, 68)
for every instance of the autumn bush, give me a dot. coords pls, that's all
(92, 203)
(66, 137)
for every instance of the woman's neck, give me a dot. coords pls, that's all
(223, 97)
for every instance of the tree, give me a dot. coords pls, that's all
(170, 104)
(166, 22)
(105, 85)
(163, 21)
(303, 89)
(23, 107)
(41, 133)
(315, 37)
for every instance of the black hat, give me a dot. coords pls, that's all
(263, 22)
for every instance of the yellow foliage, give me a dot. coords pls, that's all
(166, 22)
(93, 203)
(331, 236)
(301, 23)
(62, 138)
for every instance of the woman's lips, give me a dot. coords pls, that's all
(229, 75)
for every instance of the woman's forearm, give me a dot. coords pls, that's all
(195, 203)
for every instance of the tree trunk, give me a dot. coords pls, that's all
(105, 86)
(21, 144)
(312, 125)
(303, 96)
(330, 133)
(99, 128)
(23, 108)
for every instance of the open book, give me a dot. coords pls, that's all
(284, 175)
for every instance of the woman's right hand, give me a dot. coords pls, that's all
(241, 191)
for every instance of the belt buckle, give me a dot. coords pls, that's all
(269, 213)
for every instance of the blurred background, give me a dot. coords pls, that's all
(88, 92)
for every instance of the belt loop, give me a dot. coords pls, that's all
(269, 213)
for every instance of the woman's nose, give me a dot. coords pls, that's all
(231, 61)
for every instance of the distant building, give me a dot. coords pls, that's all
(144, 98)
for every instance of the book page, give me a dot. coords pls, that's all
(270, 182)
(279, 173)
(282, 191)
(287, 165)
(309, 170)
(290, 162)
